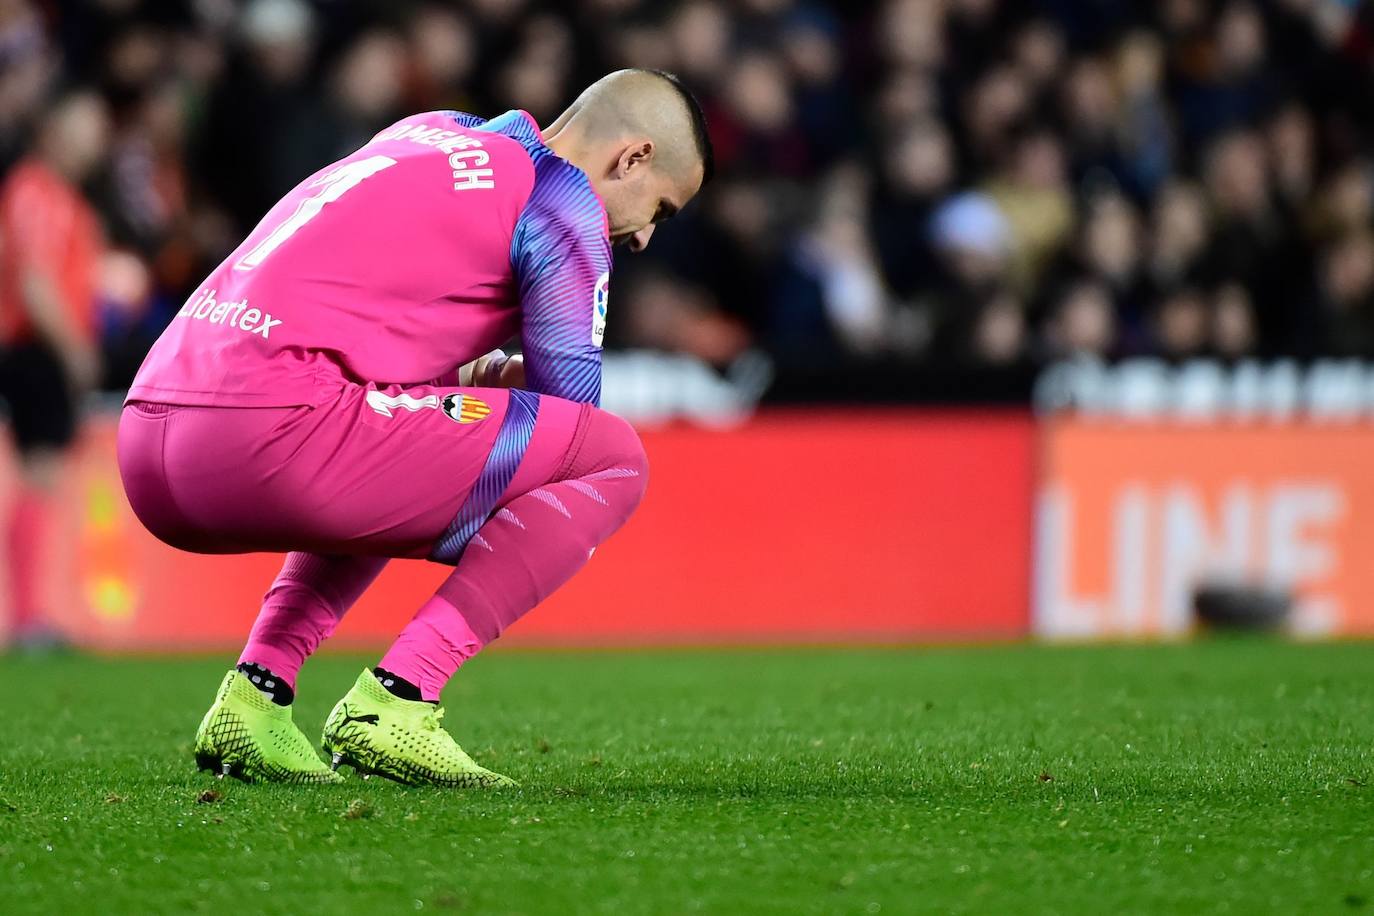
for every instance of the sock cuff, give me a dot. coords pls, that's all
(271, 659)
(272, 685)
(396, 685)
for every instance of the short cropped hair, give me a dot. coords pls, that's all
(700, 135)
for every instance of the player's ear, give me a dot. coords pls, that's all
(635, 158)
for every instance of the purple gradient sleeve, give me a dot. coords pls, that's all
(562, 261)
(466, 120)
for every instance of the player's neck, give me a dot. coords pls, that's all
(561, 124)
(559, 138)
(566, 141)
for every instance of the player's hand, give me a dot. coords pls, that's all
(512, 373)
(483, 371)
(495, 370)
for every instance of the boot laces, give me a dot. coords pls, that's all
(431, 720)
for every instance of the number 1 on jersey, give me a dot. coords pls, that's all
(332, 186)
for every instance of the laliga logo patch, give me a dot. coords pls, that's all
(601, 296)
(465, 408)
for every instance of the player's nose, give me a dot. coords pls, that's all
(640, 240)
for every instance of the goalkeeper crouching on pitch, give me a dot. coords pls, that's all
(305, 400)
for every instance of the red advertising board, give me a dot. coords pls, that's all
(812, 526)
(1132, 517)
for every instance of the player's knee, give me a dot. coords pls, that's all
(613, 449)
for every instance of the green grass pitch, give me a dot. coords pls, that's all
(1218, 776)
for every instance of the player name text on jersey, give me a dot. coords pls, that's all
(465, 154)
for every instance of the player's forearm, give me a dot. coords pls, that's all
(584, 389)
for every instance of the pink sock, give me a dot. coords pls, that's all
(431, 647)
(308, 599)
(530, 547)
(28, 533)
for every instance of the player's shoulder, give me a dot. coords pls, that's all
(474, 157)
(560, 194)
(562, 200)
(562, 210)
(443, 118)
(450, 132)
(462, 118)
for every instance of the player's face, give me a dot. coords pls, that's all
(641, 197)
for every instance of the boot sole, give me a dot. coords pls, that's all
(225, 748)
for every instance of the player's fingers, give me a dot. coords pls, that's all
(480, 372)
(512, 374)
(487, 370)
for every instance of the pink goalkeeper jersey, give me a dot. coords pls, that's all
(439, 240)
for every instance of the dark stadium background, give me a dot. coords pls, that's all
(921, 205)
(904, 187)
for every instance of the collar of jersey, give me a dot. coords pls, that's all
(518, 125)
(521, 127)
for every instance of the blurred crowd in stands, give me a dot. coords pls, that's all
(962, 183)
